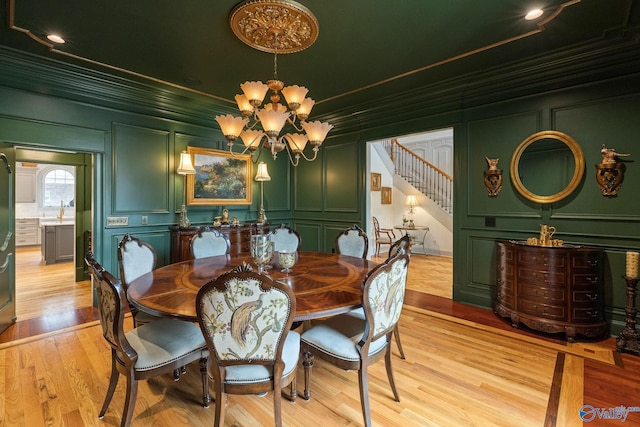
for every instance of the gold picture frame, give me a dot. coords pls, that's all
(376, 181)
(386, 195)
(220, 178)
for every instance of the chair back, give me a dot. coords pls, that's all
(383, 296)
(112, 303)
(135, 258)
(245, 318)
(403, 243)
(285, 239)
(353, 241)
(376, 225)
(209, 242)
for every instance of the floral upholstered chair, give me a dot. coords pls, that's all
(246, 319)
(354, 343)
(353, 242)
(144, 352)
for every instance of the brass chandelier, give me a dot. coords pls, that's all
(274, 26)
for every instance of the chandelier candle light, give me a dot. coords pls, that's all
(185, 168)
(282, 26)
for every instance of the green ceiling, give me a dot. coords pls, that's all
(367, 51)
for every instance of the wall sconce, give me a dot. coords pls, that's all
(493, 177)
(185, 168)
(261, 176)
(610, 172)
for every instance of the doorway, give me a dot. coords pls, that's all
(433, 219)
(52, 200)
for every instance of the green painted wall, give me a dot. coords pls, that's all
(134, 139)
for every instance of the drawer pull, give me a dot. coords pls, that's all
(592, 297)
(592, 314)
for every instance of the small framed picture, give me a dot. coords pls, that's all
(386, 195)
(376, 181)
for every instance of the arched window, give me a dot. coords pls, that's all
(58, 188)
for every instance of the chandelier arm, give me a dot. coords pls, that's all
(293, 123)
(315, 154)
(298, 154)
(246, 148)
(291, 159)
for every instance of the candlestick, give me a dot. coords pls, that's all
(632, 264)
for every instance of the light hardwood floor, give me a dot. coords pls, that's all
(35, 279)
(464, 367)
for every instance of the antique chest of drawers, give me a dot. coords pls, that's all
(551, 289)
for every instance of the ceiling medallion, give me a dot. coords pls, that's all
(282, 26)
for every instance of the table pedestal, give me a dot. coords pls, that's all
(627, 341)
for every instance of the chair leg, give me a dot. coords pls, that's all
(277, 401)
(363, 381)
(221, 403)
(130, 400)
(206, 396)
(387, 363)
(307, 362)
(396, 332)
(113, 382)
(293, 390)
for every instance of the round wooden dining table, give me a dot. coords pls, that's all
(324, 284)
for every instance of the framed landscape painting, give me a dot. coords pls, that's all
(220, 178)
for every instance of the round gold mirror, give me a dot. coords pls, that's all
(547, 167)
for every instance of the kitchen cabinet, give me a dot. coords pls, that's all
(551, 289)
(26, 185)
(27, 231)
(58, 241)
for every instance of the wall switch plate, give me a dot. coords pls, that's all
(117, 221)
(145, 220)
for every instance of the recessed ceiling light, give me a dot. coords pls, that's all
(533, 14)
(55, 38)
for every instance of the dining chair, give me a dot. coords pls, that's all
(403, 245)
(144, 352)
(383, 236)
(353, 241)
(209, 242)
(246, 319)
(352, 343)
(135, 258)
(285, 239)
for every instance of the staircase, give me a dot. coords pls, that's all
(422, 175)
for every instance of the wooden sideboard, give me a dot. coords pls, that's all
(239, 239)
(551, 289)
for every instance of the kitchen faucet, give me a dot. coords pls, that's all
(61, 212)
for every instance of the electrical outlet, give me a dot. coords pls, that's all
(117, 221)
(145, 220)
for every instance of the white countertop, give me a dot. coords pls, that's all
(54, 222)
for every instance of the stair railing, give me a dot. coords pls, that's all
(424, 176)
